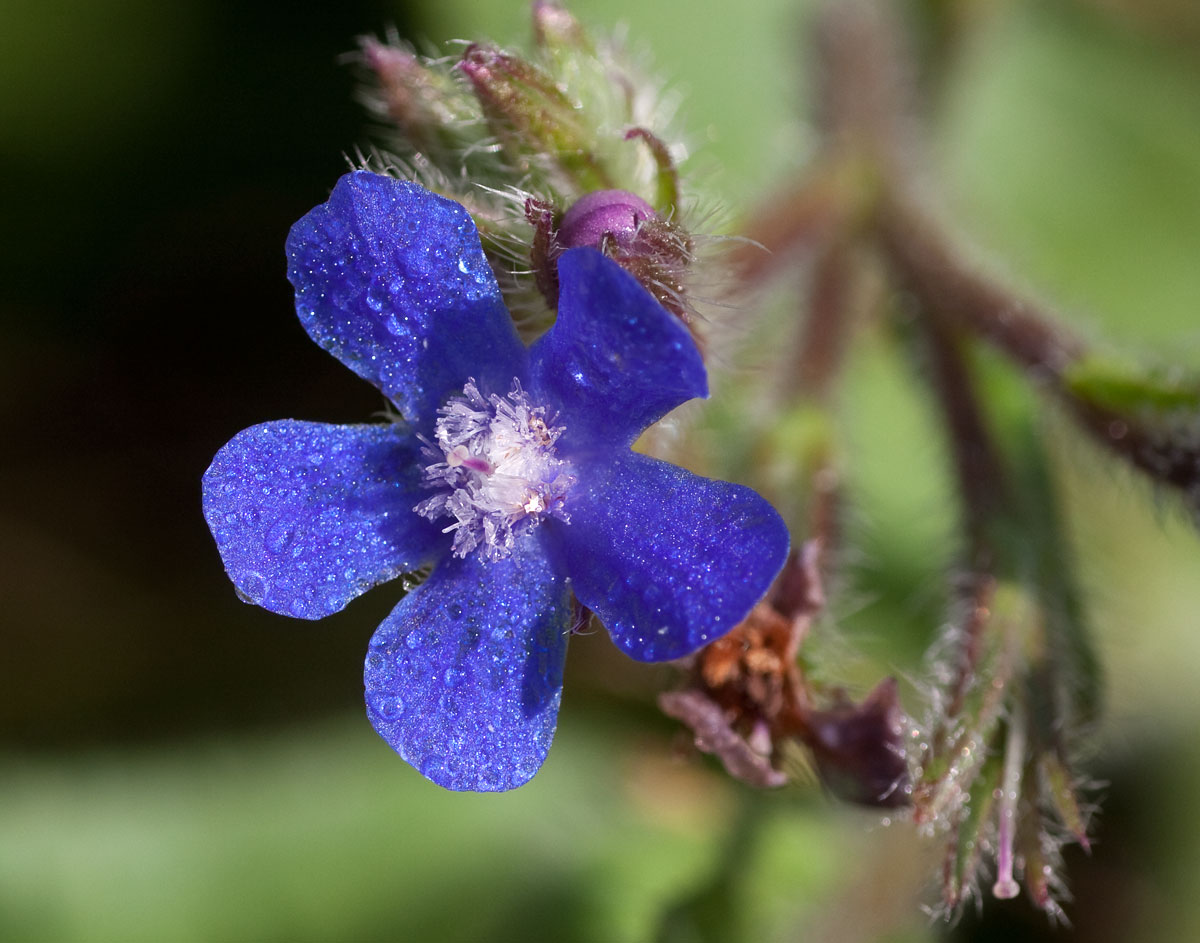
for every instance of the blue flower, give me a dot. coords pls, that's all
(511, 474)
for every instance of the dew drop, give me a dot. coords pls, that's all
(389, 707)
(455, 611)
(376, 295)
(280, 536)
(417, 263)
(434, 768)
(489, 780)
(254, 585)
(413, 639)
(396, 324)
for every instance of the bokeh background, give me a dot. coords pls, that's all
(175, 765)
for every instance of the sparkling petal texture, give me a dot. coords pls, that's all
(391, 280)
(615, 360)
(464, 678)
(307, 515)
(668, 560)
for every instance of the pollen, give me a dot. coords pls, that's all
(495, 471)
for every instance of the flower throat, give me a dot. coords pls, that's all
(495, 469)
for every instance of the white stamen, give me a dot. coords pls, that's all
(495, 469)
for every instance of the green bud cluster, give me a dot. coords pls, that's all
(520, 138)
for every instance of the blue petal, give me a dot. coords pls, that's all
(463, 679)
(615, 360)
(668, 560)
(391, 280)
(307, 516)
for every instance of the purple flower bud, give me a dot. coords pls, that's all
(859, 748)
(616, 214)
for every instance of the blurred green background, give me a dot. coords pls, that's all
(175, 765)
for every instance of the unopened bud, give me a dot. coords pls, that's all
(625, 227)
(532, 116)
(556, 30)
(422, 103)
(604, 215)
(859, 748)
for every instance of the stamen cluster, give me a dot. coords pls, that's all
(496, 471)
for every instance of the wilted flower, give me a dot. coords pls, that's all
(747, 698)
(511, 473)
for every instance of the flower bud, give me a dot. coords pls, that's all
(556, 30)
(859, 748)
(625, 227)
(532, 116)
(426, 107)
(603, 215)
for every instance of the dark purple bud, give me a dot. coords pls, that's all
(604, 214)
(859, 748)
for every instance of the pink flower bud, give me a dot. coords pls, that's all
(616, 214)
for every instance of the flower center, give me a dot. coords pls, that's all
(494, 466)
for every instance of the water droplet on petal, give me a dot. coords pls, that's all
(377, 295)
(434, 768)
(254, 585)
(280, 535)
(396, 324)
(489, 780)
(389, 707)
